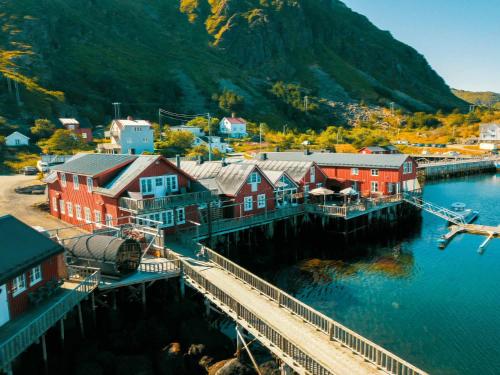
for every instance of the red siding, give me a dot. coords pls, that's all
(321, 178)
(265, 187)
(20, 303)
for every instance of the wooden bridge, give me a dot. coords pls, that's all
(304, 339)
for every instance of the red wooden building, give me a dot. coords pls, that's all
(390, 149)
(369, 174)
(102, 188)
(73, 125)
(243, 188)
(29, 261)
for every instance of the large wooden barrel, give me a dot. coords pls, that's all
(114, 256)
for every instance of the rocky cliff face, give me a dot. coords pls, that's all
(151, 53)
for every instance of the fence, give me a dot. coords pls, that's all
(89, 279)
(160, 267)
(368, 350)
(162, 203)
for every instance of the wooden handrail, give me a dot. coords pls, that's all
(155, 204)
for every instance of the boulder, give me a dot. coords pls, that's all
(232, 367)
(170, 360)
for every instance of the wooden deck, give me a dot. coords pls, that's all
(306, 340)
(484, 230)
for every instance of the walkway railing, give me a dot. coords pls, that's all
(88, 279)
(369, 351)
(163, 203)
(160, 267)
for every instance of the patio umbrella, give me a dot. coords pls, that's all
(321, 191)
(348, 191)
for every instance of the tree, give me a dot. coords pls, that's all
(156, 130)
(43, 128)
(229, 101)
(202, 122)
(63, 142)
(175, 142)
(202, 151)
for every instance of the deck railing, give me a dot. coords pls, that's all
(88, 279)
(160, 267)
(369, 351)
(162, 203)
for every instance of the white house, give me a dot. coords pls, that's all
(129, 137)
(197, 132)
(490, 133)
(234, 127)
(216, 143)
(17, 139)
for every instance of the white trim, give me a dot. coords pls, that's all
(63, 179)
(62, 207)
(69, 206)
(90, 184)
(78, 212)
(98, 218)
(355, 171)
(372, 184)
(16, 281)
(87, 215)
(181, 215)
(261, 201)
(374, 172)
(248, 203)
(54, 204)
(76, 182)
(35, 270)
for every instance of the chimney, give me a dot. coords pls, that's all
(307, 152)
(130, 118)
(233, 115)
(224, 162)
(178, 161)
(199, 160)
(263, 156)
(277, 149)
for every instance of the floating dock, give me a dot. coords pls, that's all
(484, 230)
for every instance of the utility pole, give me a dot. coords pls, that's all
(209, 138)
(338, 134)
(260, 137)
(284, 129)
(392, 108)
(306, 102)
(116, 106)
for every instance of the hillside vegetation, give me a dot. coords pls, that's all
(486, 98)
(259, 58)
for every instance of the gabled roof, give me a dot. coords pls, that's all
(388, 161)
(296, 169)
(128, 122)
(207, 169)
(17, 133)
(94, 164)
(69, 121)
(22, 247)
(375, 148)
(275, 177)
(235, 120)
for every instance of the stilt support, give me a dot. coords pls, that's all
(44, 353)
(143, 289)
(80, 319)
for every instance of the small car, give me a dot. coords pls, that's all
(29, 171)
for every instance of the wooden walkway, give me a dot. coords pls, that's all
(306, 340)
(484, 230)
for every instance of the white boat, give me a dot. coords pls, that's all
(497, 164)
(467, 214)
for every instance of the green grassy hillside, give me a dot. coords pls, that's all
(486, 98)
(74, 58)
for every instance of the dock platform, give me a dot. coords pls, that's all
(483, 230)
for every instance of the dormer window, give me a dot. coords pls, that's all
(254, 180)
(90, 183)
(63, 179)
(76, 183)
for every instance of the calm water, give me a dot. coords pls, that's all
(438, 309)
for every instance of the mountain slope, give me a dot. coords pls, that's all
(487, 98)
(178, 54)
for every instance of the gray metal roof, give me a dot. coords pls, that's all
(207, 169)
(275, 176)
(127, 175)
(376, 148)
(93, 164)
(389, 161)
(22, 247)
(295, 169)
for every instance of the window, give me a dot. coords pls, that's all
(90, 184)
(312, 173)
(35, 275)
(306, 190)
(355, 171)
(374, 186)
(407, 167)
(248, 203)
(78, 210)
(98, 217)
(146, 186)
(159, 181)
(70, 209)
(61, 207)
(84, 135)
(76, 183)
(374, 172)
(63, 179)
(261, 201)
(181, 215)
(167, 218)
(390, 187)
(109, 219)
(17, 142)
(145, 140)
(18, 285)
(54, 204)
(254, 178)
(88, 218)
(171, 183)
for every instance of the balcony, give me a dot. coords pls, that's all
(141, 206)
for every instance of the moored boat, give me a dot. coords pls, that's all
(468, 215)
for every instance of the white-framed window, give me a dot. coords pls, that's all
(84, 135)
(261, 201)
(78, 211)
(181, 215)
(390, 187)
(54, 203)
(167, 218)
(62, 207)
(374, 172)
(355, 171)
(76, 182)
(109, 219)
(18, 284)
(254, 178)
(312, 174)
(159, 181)
(145, 140)
(35, 275)
(374, 186)
(407, 167)
(146, 185)
(248, 203)
(88, 217)
(171, 183)
(90, 184)
(63, 179)
(69, 205)
(98, 217)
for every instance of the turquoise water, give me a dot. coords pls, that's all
(438, 309)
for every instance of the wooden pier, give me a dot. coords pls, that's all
(449, 168)
(484, 230)
(304, 339)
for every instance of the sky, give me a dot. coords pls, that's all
(459, 38)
